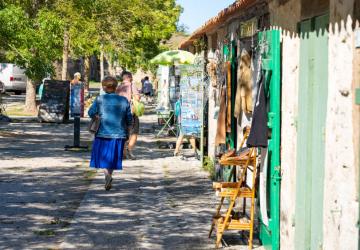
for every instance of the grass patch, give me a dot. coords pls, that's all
(209, 166)
(47, 232)
(17, 110)
(94, 85)
(89, 174)
(57, 221)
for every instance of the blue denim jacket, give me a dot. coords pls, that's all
(115, 115)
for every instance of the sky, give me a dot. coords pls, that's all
(197, 12)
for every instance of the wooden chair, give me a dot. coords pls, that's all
(234, 191)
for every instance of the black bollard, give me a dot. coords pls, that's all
(77, 131)
(76, 146)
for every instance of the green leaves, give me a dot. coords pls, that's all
(130, 31)
(31, 43)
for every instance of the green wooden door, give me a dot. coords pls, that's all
(312, 105)
(269, 44)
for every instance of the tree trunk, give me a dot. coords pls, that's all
(102, 63)
(30, 99)
(65, 55)
(111, 64)
(87, 72)
(111, 68)
(58, 69)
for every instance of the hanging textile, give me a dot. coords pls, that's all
(228, 98)
(211, 70)
(221, 129)
(220, 77)
(245, 118)
(243, 101)
(259, 130)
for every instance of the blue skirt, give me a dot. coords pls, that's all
(107, 153)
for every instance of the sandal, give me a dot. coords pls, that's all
(108, 180)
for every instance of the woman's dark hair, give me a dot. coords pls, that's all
(109, 84)
(126, 74)
(146, 78)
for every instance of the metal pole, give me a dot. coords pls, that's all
(77, 131)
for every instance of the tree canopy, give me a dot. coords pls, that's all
(32, 43)
(129, 31)
(36, 33)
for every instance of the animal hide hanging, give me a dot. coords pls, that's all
(243, 101)
(211, 70)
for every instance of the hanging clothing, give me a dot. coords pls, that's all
(228, 99)
(221, 129)
(256, 72)
(259, 130)
(211, 70)
(243, 101)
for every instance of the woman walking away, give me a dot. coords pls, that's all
(129, 91)
(115, 119)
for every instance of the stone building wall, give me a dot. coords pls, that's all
(341, 177)
(340, 190)
(341, 156)
(212, 119)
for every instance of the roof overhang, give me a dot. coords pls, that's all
(217, 21)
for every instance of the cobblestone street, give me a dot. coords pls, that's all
(52, 200)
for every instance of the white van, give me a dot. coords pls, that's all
(12, 78)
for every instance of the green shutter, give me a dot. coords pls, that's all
(312, 105)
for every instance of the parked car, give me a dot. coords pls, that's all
(12, 78)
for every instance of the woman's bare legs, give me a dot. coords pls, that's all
(178, 144)
(132, 141)
(131, 146)
(108, 178)
(108, 171)
(193, 143)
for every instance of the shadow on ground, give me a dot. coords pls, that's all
(41, 185)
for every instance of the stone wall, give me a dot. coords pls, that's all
(356, 116)
(340, 191)
(213, 111)
(212, 120)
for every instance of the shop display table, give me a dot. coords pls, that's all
(236, 191)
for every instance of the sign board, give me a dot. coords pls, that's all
(249, 28)
(54, 106)
(77, 100)
(191, 91)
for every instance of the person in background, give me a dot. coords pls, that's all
(41, 87)
(128, 90)
(142, 85)
(77, 78)
(181, 135)
(147, 88)
(77, 96)
(115, 118)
